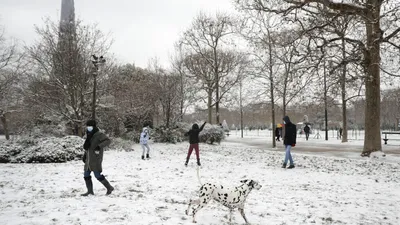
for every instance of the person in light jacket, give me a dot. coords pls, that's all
(94, 146)
(144, 138)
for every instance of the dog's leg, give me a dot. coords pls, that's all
(187, 210)
(194, 202)
(241, 210)
(230, 215)
(201, 203)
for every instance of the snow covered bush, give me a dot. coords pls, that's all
(46, 130)
(132, 136)
(167, 135)
(41, 150)
(121, 144)
(212, 134)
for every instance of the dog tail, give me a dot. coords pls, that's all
(198, 175)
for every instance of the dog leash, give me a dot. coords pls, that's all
(198, 175)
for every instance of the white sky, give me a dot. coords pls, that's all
(141, 29)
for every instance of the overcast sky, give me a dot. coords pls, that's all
(141, 29)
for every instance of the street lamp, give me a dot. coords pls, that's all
(97, 61)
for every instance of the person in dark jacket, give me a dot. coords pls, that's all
(289, 140)
(194, 142)
(278, 132)
(340, 132)
(307, 131)
(94, 146)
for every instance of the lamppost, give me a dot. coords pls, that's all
(96, 62)
(325, 103)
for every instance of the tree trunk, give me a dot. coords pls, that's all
(217, 105)
(284, 96)
(325, 104)
(78, 128)
(168, 113)
(209, 107)
(271, 78)
(343, 87)
(372, 137)
(217, 86)
(94, 96)
(241, 107)
(5, 126)
(182, 100)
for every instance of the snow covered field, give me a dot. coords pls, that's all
(320, 190)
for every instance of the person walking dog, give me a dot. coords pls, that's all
(94, 146)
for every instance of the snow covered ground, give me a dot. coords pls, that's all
(322, 189)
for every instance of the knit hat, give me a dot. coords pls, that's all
(91, 123)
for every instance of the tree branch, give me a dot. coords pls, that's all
(394, 33)
(342, 7)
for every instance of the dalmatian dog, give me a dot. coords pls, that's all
(230, 197)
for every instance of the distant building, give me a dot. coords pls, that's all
(67, 14)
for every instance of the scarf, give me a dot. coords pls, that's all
(89, 136)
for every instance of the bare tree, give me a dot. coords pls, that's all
(391, 109)
(187, 87)
(298, 69)
(206, 42)
(134, 95)
(167, 89)
(63, 69)
(375, 16)
(345, 76)
(260, 32)
(12, 66)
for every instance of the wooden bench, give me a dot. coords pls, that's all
(389, 132)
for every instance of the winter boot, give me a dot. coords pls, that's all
(89, 186)
(291, 166)
(143, 157)
(147, 156)
(284, 165)
(187, 161)
(198, 163)
(106, 184)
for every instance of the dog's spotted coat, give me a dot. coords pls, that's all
(231, 198)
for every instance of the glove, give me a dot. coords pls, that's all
(293, 145)
(97, 150)
(84, 157)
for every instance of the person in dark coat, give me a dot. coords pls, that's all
(307, 131)
(289, 140)
(94, 146)
(194, 142)
(278, 132)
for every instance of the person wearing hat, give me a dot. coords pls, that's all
(94, 146)
(289, 140)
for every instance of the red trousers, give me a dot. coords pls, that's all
(196, 148)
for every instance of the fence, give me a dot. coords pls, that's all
(315, 134)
